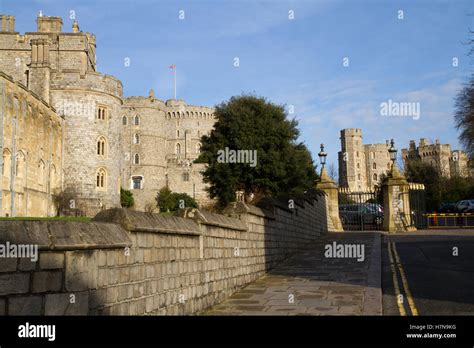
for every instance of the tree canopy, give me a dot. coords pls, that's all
(247, 122)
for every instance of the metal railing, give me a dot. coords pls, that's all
(450, 220)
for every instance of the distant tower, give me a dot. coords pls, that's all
(352, 163)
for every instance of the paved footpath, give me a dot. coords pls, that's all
(311, 284)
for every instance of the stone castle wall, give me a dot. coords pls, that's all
(448, 162)
(131, 263)
(167, 141)
(361, 165)
(78, 100)
(31, 137)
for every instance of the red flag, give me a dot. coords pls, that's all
(172, 66)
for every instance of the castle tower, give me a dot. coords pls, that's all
(352, 161)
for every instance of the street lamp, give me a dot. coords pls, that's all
(322, 157)
(393, 153)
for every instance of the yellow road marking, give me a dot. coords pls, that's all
(411, 302)
(395, 282)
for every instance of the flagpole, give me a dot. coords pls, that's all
(174, 83)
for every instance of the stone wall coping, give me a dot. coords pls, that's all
(137, 221)
(63, 235)
(213, 219)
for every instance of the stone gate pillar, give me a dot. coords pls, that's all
(396, 203)
(327, 185)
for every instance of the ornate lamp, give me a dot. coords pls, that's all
(322, 157)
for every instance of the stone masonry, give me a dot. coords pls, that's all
(127, 262)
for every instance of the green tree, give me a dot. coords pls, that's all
(247, 122)
(169, 201)
(126, 198)
(424, 173)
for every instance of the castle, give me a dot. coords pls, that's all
(448, 162)
(65, 125)
(361, 165)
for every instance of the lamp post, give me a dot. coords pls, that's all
(322, 158)
(393, 154)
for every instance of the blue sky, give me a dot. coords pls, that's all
(295, 62)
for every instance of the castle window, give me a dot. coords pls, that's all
(177, 133)
(374, 166)
(137, 182)
(198, 148)
(136, 139)
(136, 159)
(375, 177)
(101, 179)
(357, 153)
(136, 120)
(101, 113)
(124, 120)
(358, 176)
(358, 165)
(185, 176)
(373, 155)
(178, 148)
(101, 146)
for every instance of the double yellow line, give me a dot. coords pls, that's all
(394, 265)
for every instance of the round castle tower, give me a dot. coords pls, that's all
(91, 105)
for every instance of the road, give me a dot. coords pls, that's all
(428, 273)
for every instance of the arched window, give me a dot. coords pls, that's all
(374, 165)
(136, 139)
(358, 165)
(101, 179)
(198, 148)
(101, 113)
(178, 148)
(137, 120)
(136, 159)
(375, 177)
(124, 120)
(101, 146)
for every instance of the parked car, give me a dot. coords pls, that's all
(447, 208)
(465, 206)
(358, 213)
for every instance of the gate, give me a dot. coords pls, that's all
(361, 210)
(417, 195)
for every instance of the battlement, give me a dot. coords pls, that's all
(49, 24)
(90, 81)
(181, 110)
(351, 132)
(143, 102)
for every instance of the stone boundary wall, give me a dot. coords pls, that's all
(126, 262)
